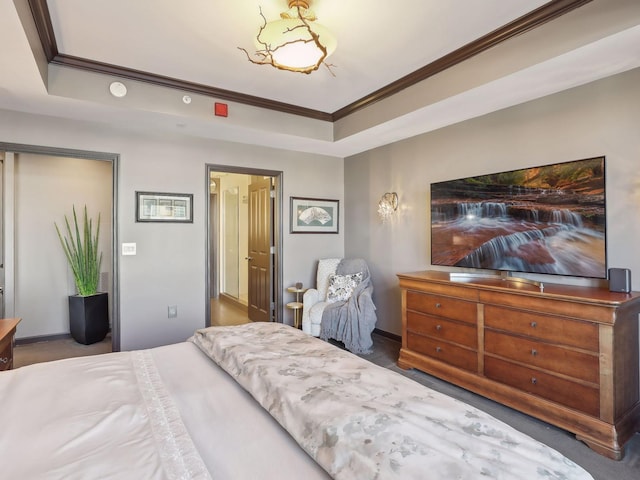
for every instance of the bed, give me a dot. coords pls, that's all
(253, 401)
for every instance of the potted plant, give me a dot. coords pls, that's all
(88, 309)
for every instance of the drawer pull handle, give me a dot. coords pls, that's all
(438, 327)
(438, 349)
(4, 360)
(534, 352)
(438, 305)
(534, 324)
(534, 380)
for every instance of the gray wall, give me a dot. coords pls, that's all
(169, 268)
(596, 119)
(600, 118)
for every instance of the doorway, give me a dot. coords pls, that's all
(36, 193)
(244, 245)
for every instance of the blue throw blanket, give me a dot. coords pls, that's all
(352, 322)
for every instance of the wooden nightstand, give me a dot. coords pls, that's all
(7, 332)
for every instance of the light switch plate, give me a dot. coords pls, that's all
(128, 249)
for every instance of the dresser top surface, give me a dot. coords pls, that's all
(7, 325)
(523, 286)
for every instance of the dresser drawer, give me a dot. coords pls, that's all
(6, 354)
(580, 365)
(555, 330)
(559, 307)
(565, 392)
(442, 329)
(441, 306)
(444, 351)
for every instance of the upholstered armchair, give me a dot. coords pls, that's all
(340, 306)
(315, 299)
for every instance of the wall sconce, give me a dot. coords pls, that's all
(295, 42)
(387, 205)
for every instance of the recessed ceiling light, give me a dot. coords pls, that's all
(118, 89)
(186, 99)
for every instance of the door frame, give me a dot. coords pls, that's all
(277, 233)
(214, 215)
(114, 158)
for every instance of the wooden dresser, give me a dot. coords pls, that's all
(7, 333)
(564, 354)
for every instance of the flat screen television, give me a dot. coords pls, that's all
(549, 219)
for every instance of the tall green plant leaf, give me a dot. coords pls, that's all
(82, 253)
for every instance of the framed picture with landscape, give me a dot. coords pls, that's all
(164, 207)
(314, 215)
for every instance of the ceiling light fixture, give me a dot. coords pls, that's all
(295, 42)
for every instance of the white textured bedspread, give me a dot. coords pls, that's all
(361, 421)
(103, 417)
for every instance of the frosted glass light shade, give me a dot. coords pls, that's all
(387, 205)
(304, 53)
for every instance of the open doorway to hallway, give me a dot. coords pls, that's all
(244, 236)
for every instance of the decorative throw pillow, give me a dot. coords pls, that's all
(341, 286)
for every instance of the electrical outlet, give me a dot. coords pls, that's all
(172, 311)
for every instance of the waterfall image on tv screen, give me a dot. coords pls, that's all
(549, 219)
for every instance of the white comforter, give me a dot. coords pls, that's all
(138, 416)
(100, 417)
(361, 421)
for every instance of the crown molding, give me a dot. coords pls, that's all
(534, 19)
(160, 80)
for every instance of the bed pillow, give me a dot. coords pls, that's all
(341, 286)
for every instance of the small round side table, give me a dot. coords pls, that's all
(296, 306)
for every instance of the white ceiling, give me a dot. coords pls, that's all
(378, 42)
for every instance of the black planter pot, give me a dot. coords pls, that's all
(89, 318)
